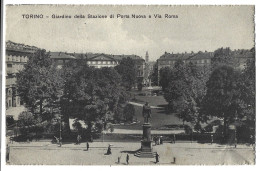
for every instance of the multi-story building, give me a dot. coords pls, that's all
(203, 58)
(16, 56)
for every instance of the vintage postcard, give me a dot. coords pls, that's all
(129, 85)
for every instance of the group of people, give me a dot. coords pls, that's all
(158, 140)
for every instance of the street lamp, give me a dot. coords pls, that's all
(60, 132)
(236, 132)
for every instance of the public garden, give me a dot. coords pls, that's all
(193, 119)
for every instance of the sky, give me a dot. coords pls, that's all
(197, 28)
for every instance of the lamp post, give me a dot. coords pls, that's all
(60, 132)
(236, 131)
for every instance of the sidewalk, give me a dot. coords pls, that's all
(184, 153)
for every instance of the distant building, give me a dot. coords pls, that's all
(60, 58)
(108, 60)
(202, 58)
(16, 56)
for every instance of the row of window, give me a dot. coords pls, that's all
(102, 62)
(16, 58)
(13, 68)
(202, 61)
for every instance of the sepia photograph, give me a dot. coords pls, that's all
(129, 85)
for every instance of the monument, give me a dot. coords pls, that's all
(146, 150)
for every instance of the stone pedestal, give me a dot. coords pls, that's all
(146, 150)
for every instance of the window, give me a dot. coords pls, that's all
(93, 62)
(9, 65)
(108, 62)
(99, 62)
(104, 62)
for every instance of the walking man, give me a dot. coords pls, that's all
(87, 146)
(157, 157)
(127, 159)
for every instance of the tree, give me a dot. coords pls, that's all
(154, 75)
(166, 75)
(248, 90)
(185, 89)
(129, 112)
(223, 56)
(222, 99)
(93, 95)
(28, 123)
(39, 84)
(128, 71)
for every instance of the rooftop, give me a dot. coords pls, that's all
(61, 55)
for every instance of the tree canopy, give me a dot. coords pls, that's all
(39, 83)
(128, 71)
(222, 99)
(93, 95)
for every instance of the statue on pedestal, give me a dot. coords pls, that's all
(146, 112)
(146, 150)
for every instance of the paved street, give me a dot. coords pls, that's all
(185, 154)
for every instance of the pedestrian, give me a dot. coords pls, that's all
(127, 159)
(7, 153)
(159, 141)
(174, 138)
(78, 139)
(211, 138)
(118, 159)
(87, 146)
(174, 160)
(155, 140)
(109, 150)
(157, 157)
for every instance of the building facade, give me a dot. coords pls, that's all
(16, 56)
(203, 59)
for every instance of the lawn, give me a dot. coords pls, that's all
(159, 116)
